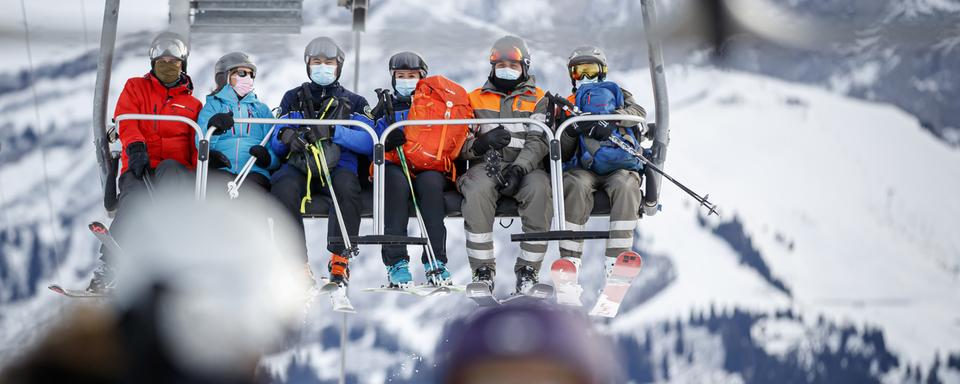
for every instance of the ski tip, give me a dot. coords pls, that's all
(563, 265)
(56, 288)
(97, 227)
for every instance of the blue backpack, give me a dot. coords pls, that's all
(604, 157)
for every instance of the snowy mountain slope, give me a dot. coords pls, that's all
(847, 201)
(866, 204)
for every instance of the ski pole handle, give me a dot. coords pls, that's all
(233, 187)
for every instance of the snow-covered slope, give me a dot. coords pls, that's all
(832, 207)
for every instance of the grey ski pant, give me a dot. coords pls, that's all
(622, 186)
(479, 206)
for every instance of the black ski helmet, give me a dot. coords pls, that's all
(169, 44)
(587, 54)
(511, 48)
(408, 60)
(326, 48)
(229, 62)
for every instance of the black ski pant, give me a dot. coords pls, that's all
(429, 187)
(290, 185)
(168, 177)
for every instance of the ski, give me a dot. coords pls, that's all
(537, 292)
(480, 294)
(103, 234)
(77, 293)
(564, 275)
(425, 290)
(338, 297)
(626, 267)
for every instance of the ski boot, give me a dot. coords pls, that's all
(104, 279)
(398, 275)
(438, 276)
(339, 267)
(526, 279)
(484, 274)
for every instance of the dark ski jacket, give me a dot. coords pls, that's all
(353, 141)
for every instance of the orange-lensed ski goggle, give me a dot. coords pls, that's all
(513, 54)
(585, 71)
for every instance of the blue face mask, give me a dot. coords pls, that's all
(506, 73)
(587, 81)
(323, 74)
(405, 87)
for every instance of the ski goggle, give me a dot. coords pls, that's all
(512, 54)
(169, 48)
(245, 73)
(585, 71)
(322, 50)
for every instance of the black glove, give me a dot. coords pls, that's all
(497, 138)
(218, 160)
(291, 137)
(599, 130)
(261, 154)
(394, 140)
(137, 158)
(512, 174)
(381, 108)
(221, 121)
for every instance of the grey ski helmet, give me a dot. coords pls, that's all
(169, 44)
(510, 48)
(229, 62)
(587, 54)
(326, 48)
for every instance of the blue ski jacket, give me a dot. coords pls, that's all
(236, 142)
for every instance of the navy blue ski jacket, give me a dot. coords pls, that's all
(352, 140)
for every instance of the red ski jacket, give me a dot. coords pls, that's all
(164, 139)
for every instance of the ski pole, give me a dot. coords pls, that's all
(318, 149)
(567, 106)
(431, 257)
(233, 187)
(148, 182)
(703, 200)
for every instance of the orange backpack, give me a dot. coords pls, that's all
(434, 147)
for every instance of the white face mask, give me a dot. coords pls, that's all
(507, 73)
(323, 74)
(405, 87)
(587, 81)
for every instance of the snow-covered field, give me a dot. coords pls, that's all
(848, 203)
